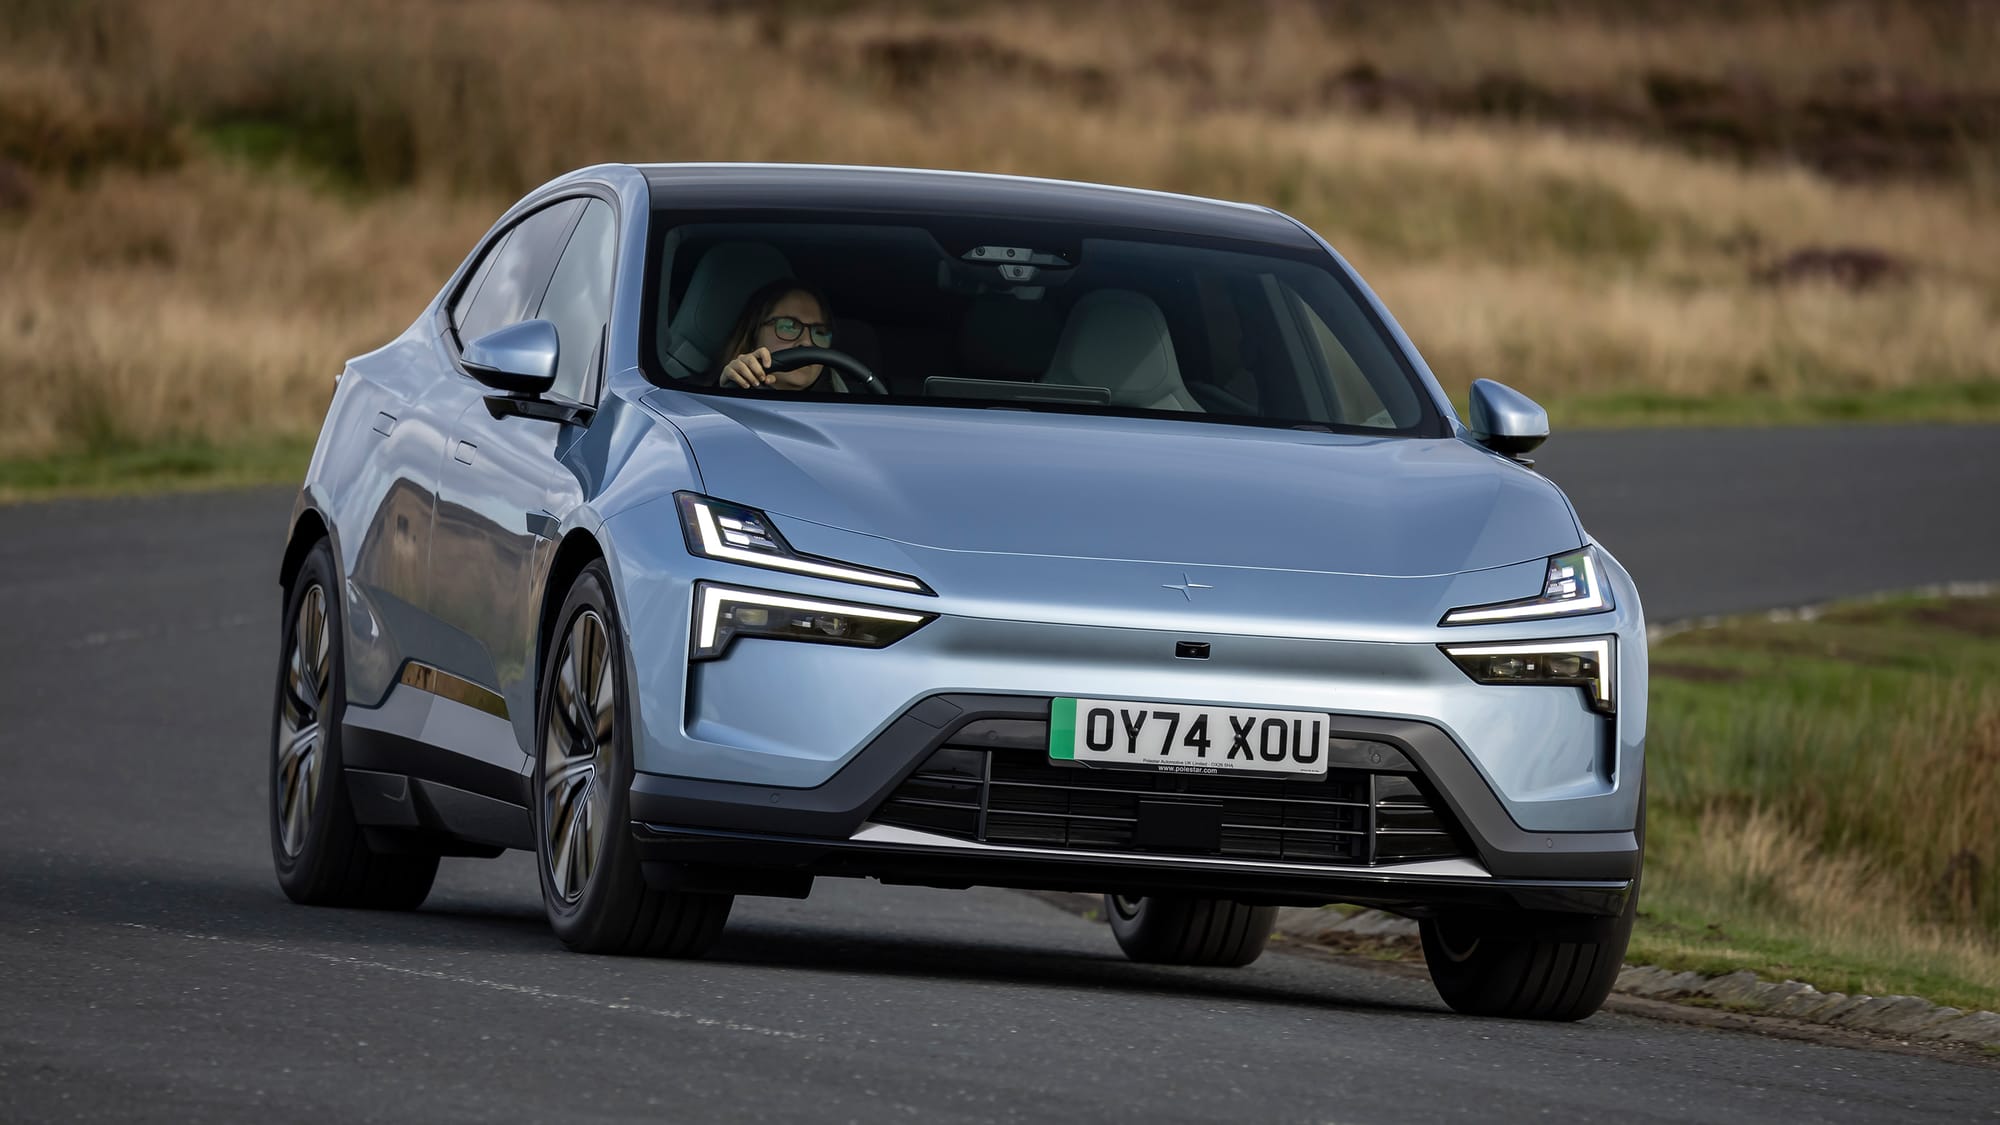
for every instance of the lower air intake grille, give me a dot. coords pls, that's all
(993, 782)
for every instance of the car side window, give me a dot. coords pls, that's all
(578, 302)
(520, 271)
(463, 306)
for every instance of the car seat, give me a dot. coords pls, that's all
(723, 280)
(1118, 339)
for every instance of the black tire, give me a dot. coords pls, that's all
(321, 855)
(599, 902)
(1532, 967)
(1508, 967)
(1210, 932)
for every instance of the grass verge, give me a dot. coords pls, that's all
(1821, 797)
(166, 467)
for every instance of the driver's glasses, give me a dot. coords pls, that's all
(789, 328)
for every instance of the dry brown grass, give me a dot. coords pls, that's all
(1849, 923)
(158, 287)
(1597, 45)
(211, 304)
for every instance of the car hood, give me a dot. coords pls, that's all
(1152, 490)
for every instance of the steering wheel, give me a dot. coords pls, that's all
(792, 358)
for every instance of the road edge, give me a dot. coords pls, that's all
(1385, 942)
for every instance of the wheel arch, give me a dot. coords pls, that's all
(577, 550)
(308, 528)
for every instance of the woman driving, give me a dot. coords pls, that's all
(785, 314)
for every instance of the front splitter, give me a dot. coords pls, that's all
(669, 854)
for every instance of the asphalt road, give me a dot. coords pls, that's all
(150, 969)
(1724, 521)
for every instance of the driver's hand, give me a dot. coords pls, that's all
(748, 370)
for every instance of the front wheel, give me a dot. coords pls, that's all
(1210, 932)
(1537, 967)
(593, 889)
(1561, 970)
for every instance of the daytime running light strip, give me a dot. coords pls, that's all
(1538, 607)
(1599, 648)
(712, 544)
(713, 597)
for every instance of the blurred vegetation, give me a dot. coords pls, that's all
(1822, 795)
(1651, 212)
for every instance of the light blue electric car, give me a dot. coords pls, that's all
(717, 528)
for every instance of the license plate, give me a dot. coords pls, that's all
(1188, 737)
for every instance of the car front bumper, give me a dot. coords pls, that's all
(687, 826)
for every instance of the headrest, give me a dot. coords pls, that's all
(1117, 338)
(723, 280)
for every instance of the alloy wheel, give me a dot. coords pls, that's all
(307, 694)
(577, 742)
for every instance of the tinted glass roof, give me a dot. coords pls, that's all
(765, 187)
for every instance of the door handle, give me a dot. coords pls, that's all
(464, 452)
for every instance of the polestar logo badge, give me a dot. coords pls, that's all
(1185, 586)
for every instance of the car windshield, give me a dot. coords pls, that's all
(977, 312)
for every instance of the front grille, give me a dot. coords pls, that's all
(993, 782)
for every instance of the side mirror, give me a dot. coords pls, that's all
(519, 359)
(1505, 420)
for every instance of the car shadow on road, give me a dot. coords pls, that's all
(809, 948)
(240, 906)
(236, 906)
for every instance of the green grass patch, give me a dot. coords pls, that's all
(1975, 401)
(1821, 800)
(159, 468)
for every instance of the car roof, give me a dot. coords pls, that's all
(830, 187)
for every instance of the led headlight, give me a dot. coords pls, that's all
(1585, 663)
(732, 533)
(1573, 586)
(724, 613)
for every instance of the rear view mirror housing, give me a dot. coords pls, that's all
(1505, 420)
(519, 359)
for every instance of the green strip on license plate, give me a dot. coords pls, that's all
(1062, 729)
